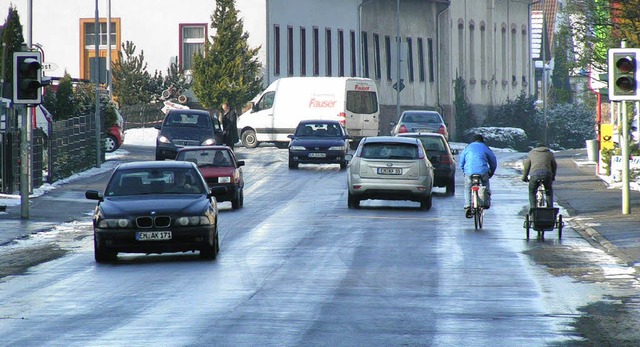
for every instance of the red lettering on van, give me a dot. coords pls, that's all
(322, 103)
(363, 88)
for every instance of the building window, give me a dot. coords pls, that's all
(410, 58)
(90, 36)
(376, 56)
(504, 55)
(420, 59)
(276, 50)
(316, 52)
(387, 55)
(514, 55)
(303, 51)
(192, 39)
(365, 55)
(290, 51)
(431, 62)
(340, 53)
(472, 53)
(352, 37)
(483, 53)
(525, 54)
(327, 37)
(460, 71)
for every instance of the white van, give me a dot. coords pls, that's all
(276, 111)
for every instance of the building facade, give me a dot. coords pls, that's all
(485, 42)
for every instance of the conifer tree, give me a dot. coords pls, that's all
(130, 77)
(13, 38)
(229, 70)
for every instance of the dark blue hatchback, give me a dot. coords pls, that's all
(319, 142)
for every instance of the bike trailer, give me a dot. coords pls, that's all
(543, 218)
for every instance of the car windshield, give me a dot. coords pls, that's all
(421, 117)
(188, 119)
(155, 181)
(389, 151)
(207, 157)
(318, 130)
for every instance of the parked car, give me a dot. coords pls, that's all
(318, 142)
(220, 168)
(420, 121)
(390, 168)
(441, 157)
(155, 207)
(184, 128)
(114, 135)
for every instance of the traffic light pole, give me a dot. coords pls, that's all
(625, 159)
(25, 160)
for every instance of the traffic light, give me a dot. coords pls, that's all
(27, 78)
(624, 74)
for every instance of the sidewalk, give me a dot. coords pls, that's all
(596, 208)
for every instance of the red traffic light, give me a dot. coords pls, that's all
(626, 64)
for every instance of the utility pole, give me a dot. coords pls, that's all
(97, 78)
(398, 40)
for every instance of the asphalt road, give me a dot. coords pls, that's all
(297, 267)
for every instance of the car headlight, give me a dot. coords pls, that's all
(297, 148)
(163, 139)
(337, 148)
(224, 179)
(113, 223)
(208, 142)
(192, 220)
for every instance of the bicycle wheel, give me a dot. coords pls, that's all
(481, 218)
(527, 224)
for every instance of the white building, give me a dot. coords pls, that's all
(486, 42)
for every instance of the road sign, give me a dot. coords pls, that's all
(395, 85)
(46, 66)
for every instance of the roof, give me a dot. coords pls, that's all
(550, 11)
(152, 164)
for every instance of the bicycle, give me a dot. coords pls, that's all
(477, 203)
(542, 217)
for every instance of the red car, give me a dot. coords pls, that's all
(114, 135)
(219, 167)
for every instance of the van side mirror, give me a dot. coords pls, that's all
(254, 107)
(455, 151)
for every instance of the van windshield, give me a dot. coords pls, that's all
(363, 102)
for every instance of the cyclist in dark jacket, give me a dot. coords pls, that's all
(540, 164)
(477, 159)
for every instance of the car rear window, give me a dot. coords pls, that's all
(389, 151)
(432, 143)
(422, 118)
(205, 157)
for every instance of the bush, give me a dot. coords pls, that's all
(502, 137)
(570, 125)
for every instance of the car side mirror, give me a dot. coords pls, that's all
(434, 159)
(157, 126)
(392, 124)
(348, 157)
(455, 151)
(93, 195)
(240, 162)
(291, 136)
(347, 137)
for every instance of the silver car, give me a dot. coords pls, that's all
(420, 121)
(390, 168)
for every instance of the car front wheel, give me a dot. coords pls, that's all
(210, 252)
(102, 255)
(238, 201)
(293, 164)
(249, 139)
(110, 144)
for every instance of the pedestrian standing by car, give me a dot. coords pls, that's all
(540, 167)
(229, 125)
(477, 159)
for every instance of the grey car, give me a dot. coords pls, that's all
(420, 121)
(390, 168)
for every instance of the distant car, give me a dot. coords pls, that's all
(220, 168)
(420, 121)
(441, 157)
(114, 137)
(186, 128)
(155, 207)
(318, 142)
(390, 168)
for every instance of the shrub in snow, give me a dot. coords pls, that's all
(569, 125)
(500, 137)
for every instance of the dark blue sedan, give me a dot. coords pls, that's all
(319, 142)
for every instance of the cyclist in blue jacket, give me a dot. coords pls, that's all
(477, 159)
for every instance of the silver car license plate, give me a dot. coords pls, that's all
(389, 171)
